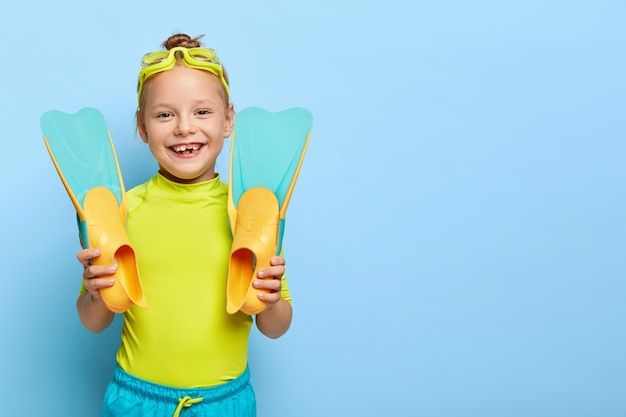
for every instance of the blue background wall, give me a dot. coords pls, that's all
(455, 242)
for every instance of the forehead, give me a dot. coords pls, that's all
(182, 82)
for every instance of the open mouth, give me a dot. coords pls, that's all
(186, 148)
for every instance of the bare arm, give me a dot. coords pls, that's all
(275, 320)
(91, 309)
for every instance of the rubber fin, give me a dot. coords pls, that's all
(266, 155)
(107, 232)
(83, 154)
(254, 244)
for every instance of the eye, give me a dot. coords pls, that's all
(164, 115)
(204, 112)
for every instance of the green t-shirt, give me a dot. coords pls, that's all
(182, 238)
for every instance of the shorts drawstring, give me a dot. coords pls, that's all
(185, 402)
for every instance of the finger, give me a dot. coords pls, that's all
(270, 298)
(272, 272)
(278, 260)
(95, 271)
(95, 284)
(84, 256)
(274, 285)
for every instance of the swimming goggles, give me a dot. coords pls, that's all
(200, 58)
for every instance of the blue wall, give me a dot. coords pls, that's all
(456, 240)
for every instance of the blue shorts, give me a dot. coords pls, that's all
(128, 396)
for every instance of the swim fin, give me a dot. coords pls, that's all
(82, 151)
(266, 155)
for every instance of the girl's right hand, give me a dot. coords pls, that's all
(92, 273)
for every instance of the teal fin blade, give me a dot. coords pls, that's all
(267, 151)
(82, 152)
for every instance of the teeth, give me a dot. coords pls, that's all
(186, 147)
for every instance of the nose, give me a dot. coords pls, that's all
(185, 126)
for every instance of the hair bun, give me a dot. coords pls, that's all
(180, 39)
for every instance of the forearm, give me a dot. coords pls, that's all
(275, 320)
(93, 313)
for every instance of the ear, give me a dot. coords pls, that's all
(141, 128)
(230, 120)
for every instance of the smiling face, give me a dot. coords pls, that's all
(184, 119)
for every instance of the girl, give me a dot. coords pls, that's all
(184, 352)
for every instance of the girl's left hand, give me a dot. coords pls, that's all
(269, 279)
